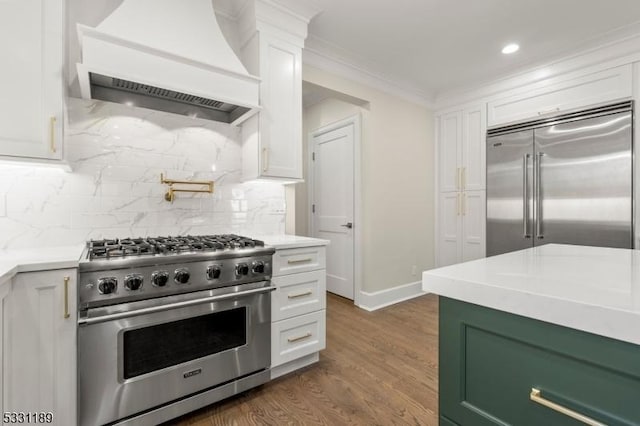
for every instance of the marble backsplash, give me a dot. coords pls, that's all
(116, 154)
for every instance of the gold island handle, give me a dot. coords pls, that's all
(536, 396)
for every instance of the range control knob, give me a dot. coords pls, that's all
(107, 285)
(182, 276)
(160, 278)
(213, 272)
(258, 267)
(133, 282)
(242, 269)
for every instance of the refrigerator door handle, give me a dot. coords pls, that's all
(525, 196)
(538, 198)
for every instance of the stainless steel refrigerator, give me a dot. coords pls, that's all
(568, 179)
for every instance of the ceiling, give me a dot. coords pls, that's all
(433, 46)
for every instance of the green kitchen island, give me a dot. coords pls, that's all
(544, 336)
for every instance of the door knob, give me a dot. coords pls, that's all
(348, 225)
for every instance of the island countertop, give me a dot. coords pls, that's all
(592, 289)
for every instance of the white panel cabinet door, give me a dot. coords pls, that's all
(449, 232)
(473, 207)
(564, 93)
(281, 95)
(449, 146)
(31, 104)
(5, 291)
(474, 129)
(272, 141)
(42, 364)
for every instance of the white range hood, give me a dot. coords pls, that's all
(168, 55)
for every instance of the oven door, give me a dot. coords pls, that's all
(137, 356)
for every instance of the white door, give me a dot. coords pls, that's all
(333, 203)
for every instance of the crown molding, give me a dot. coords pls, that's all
(617, 47)
(325, 56)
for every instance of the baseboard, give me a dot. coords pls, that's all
(390, 296)
(294, 365)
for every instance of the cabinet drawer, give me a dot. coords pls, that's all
(291, 261)
(298, 294)
(490, 361)
(296, 337)
(547, 99)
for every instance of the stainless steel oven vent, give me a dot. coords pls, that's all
(113, 89)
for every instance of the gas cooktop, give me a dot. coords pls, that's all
(116, 248)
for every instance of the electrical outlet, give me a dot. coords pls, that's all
(414, 270)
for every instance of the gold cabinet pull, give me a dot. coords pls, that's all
(66, 298)
(295, 296)
(265, 159)
(458, 204)
(294, 261)
(52, 134)
(295, 339)
(536, 396)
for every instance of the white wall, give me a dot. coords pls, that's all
(117, 154)
(397, 179)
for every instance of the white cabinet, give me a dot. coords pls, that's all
(461, 233)
(553, 96)
(32, 84)
(272, 139)
(461, 205)
(42, 351)
(5, 289)
(298, 308)
(461, 146)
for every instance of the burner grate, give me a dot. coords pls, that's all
(117, 248)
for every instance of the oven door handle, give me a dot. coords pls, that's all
(176, 305)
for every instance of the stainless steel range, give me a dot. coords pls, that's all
(168, 325)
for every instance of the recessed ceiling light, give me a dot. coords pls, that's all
(510, 48)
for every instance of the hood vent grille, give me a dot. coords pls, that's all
(166, 94)
(113, 89)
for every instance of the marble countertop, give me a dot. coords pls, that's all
(592, 289)
(40, 259)
(290, 241)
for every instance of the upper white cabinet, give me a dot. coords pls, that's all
(272, 140)
(461, 144)
(32, 85)
(562, 93)
(450, 149)
(42, 351)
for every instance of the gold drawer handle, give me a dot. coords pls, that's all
(290, 262)
(294, 296)
(536, 396)
(66, 298)
(295, 339)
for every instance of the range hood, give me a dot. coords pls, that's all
(167, 55)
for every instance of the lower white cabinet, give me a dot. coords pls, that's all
(461, 226)
(297, 337)
(5, 289)
(298, 308)
(40, 367)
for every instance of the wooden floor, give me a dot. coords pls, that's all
(379, 368)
